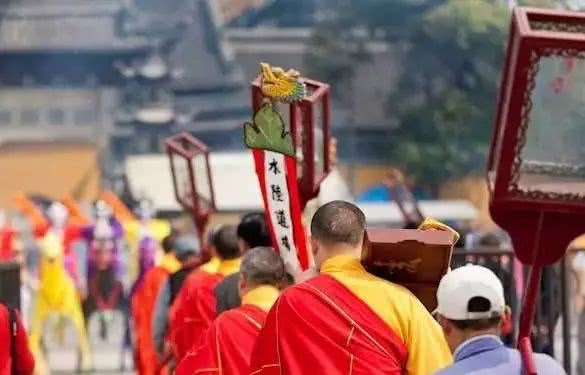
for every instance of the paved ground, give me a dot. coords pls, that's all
(106, 354)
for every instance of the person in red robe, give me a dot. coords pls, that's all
(194, 308)
(347, 321)
(146, 359)
(7, 236)
(227, 346)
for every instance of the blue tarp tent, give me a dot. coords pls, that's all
(380, 193)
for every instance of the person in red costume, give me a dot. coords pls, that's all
(143, 302)
(195, 306)
(227, 345)
(15, 355)
(347, 321)
(7, 234)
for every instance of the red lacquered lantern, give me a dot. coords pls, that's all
(192, 181)
(536, 169)
(308, 122)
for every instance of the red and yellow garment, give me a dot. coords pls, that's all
(194, 308)
(347, 321)
(142, 304)
(227, 346)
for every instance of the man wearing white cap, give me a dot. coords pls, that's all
(471, 309)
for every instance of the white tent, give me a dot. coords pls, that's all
(236, 190)
(234, 181)
(388, 213)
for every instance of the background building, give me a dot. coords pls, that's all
(116, 76)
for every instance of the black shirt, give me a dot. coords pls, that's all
(227, 294)
(177, 279)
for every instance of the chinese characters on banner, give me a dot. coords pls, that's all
(276, 167)
(279, 208)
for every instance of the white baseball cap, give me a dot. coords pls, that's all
(460, 285)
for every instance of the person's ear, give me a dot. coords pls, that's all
(314, 246)
(242, 284)
(445, 324)
(508, 312)
(506, 321)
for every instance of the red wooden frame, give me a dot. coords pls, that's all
(301, 118)
(186, 147)
(508, 202)
(525, 46)
(541, 223)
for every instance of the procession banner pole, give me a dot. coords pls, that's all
(275, 163)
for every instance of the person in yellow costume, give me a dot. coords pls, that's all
(57, 294)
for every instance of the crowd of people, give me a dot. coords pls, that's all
(240, 312)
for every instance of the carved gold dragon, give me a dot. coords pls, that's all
(284, 86)
(432, 224)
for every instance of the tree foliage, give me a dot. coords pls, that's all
(444, 102)
(450, 53)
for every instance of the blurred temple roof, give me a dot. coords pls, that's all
(201, 52)
(65, 25)
(232, 9)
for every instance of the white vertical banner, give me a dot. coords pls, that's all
(278, 205)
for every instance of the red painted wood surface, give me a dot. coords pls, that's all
(541, 223)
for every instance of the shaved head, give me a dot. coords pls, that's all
(337, 228)
(262, 266)
(339, 222)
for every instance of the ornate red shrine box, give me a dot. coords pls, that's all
(309, 123)
(536, 168)
(415, 259)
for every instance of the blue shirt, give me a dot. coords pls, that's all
(485, 355)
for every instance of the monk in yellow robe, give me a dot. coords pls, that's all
(227, 346)
(347, 321)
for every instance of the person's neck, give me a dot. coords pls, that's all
(343, 249)
(467, 336)
(189, 262)
(333, 251)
